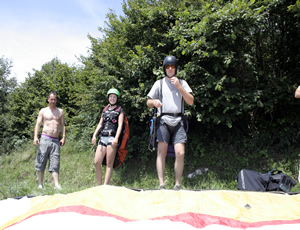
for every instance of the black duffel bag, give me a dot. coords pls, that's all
(251, 180)
(275, 180)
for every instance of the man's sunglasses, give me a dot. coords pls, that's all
(170, 66)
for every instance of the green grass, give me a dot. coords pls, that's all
(17, 175)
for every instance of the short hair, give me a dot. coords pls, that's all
(54, 93)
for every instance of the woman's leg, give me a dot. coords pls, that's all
(110, 158)
(99, 155)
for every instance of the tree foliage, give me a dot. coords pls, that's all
(7, 86)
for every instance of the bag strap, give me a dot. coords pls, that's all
(118, 108)
(160, 94)
(105, 108)
(274, 172)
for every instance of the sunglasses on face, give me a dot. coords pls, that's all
(170, 66)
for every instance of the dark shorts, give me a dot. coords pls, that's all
(48, 149)
(171, 134)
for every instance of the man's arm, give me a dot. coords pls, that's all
(154, 92)
(188, 97)
(63, 128)
(37, 127)
(153, 103)
(297, 92)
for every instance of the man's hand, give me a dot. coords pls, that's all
(157, 103)
(62, 142)
(35, 141)
(175, 82)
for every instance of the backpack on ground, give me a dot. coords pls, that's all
(275, 180)
(280, 181)
(122, 147)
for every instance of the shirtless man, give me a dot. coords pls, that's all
(49, 145)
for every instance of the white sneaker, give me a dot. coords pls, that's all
(40, 186)
(58, 187)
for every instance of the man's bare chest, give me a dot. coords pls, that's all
(52, 115)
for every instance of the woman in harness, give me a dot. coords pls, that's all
(110, 127)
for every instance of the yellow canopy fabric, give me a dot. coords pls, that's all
(196, 209)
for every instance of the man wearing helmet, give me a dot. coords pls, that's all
(110, 127)
(167, 95)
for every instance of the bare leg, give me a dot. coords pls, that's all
(41, 176)
(99, 155)
(55, 179)
(162, 149)
(110, 158)
(179, 161)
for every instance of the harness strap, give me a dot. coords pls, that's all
(117, 109)
(173, 114)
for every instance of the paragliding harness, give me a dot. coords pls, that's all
(122, 146)
(155, 120)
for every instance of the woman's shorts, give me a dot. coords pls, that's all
(105, 141)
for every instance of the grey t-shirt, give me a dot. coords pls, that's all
(171, 97)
